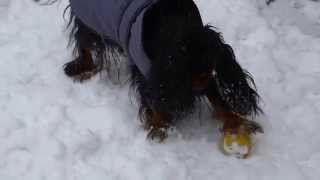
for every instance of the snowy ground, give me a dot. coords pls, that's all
(54, 129)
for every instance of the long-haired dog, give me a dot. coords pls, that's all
(175, 60)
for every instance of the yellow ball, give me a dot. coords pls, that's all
(239, 144)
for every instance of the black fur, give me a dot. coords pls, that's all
(168, 26)
(181, 48)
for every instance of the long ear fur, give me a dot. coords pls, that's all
(235, 86)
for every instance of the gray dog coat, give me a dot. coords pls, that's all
(119, 20)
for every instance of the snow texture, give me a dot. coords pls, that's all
(54, 129)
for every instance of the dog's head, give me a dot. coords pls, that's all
(190, 60)
(201, 64)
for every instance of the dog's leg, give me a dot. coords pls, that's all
(157, 123)
(86, 41)
(82, 68)
(155, 120)
(233, 122)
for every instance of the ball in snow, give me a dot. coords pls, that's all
(238, 145)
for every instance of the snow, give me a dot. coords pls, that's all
(52, 128)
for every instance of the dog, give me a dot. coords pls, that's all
(175, 60)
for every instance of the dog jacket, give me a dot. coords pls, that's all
(119, 20)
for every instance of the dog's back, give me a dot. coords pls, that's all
(112, 18)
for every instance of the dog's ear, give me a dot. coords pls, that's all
(235, 85)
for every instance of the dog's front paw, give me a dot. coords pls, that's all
(159, 134)
(80, 69)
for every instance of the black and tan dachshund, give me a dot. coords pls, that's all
(175, 60)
